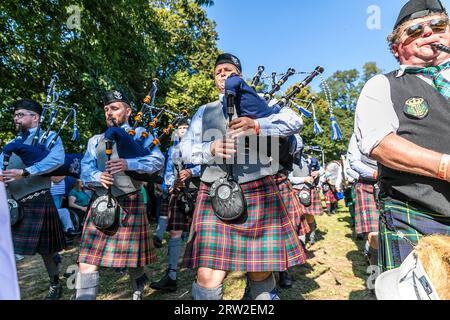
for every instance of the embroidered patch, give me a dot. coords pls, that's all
(416, 107)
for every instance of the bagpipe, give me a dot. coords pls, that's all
(290, 100)
(129, 147)
(441, 47)
(42, 144)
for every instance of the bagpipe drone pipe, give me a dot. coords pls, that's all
(41, 145)
(250, 104)
(129, 146)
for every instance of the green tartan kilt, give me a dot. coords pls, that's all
(414, 222)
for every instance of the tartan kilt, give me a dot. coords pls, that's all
(40, 230)
(178, 221)
(264, 239)
(366, 211)
(329, 196)
(293, 206)
(129, 246)
(414, 222)
(164, 209)
(316, 207)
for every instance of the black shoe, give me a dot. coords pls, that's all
(157, 242)
(166, 283)
(285, 280)
(54, 293)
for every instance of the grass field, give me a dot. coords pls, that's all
(336, 270)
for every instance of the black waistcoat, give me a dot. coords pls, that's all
(431, 132)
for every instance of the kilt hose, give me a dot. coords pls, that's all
(40, 230)
(264, 239)
(316, 208)
(414, 222)
(128, 246)
(366, 211)
(178, 221)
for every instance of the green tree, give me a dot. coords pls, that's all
(120, 44)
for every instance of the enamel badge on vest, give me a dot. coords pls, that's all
(416, 108)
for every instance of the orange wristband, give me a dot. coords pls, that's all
(257, 127)
(443, 167)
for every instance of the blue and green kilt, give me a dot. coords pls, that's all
(264, 239)
(178, 221)
(40, 230)
(128, 246)
(414, 222)
(366, 211)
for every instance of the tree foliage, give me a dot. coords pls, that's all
(120, 44)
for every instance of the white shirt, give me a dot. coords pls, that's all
(375, 117)
(9, 288)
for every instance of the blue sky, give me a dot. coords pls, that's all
(303, 34)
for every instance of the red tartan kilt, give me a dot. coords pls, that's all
(366, 212)
(129, 246)
(316, 207)
(329, 196)
(40, 230)
(294, 207)
(178, 221)
(264, 239)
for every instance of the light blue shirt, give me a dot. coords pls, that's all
(194, 151)
(51, 162)
(148, 164)
(354, 157)
(175, 155)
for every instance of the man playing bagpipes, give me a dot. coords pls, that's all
(244, 218)
(36, 227)
(366, 190)
(116, 232)
(305, 179)
(183, 182)
(402, 121)
(329, 186)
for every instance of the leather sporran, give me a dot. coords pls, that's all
(15, 212)
(227, 199)
(304, 196)
(185, 203)
(105, 212)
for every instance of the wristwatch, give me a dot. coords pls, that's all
(25, 173)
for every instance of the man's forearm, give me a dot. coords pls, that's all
(400, 154)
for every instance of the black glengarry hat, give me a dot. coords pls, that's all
(229, 58)
(417, 9)
(184, 122)
(114, 96)
(28, 104)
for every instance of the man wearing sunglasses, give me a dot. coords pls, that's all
(403, 122)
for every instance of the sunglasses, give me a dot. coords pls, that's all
(416, 30)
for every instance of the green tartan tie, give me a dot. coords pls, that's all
(441, 84)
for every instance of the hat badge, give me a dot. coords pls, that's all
(235, 61)
(117, 95)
